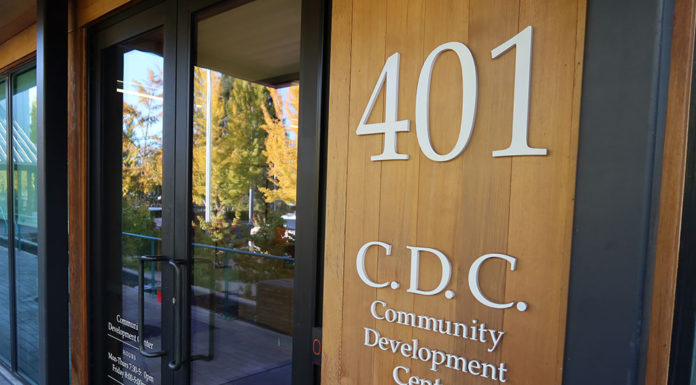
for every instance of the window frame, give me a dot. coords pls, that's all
(8, 75)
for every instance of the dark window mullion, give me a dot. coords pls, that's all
(10, 227)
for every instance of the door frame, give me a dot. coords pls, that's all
(178, 20)
(104, 161)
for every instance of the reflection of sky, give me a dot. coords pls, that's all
(135, 69)
(23, 101)
(283, 92)
(136, 65)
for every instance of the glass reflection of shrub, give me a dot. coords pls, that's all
(136, 219)
(270, 236)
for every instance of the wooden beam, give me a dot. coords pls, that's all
(18, 48)
(93, 10)
(77, 199)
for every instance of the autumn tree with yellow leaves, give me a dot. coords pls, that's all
(281, 147)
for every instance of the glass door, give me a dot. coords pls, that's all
(136, 299)
(194, 196)
(245, 107)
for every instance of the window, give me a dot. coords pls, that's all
(19, 318)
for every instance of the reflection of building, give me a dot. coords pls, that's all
(24, 162)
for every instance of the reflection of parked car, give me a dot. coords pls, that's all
(156, 215)
(290, 223)
(282, 238)
(149, 288)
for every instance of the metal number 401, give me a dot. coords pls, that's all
(389, 79)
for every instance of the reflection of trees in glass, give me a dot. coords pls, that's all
(254, 151)
(142, 152)
(239, 163)
(281, 147)
(141, 178)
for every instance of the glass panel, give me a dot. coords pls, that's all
(5, 348)
(25, 221)
(139, 90)
(244, 174)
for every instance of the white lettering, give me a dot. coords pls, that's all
(474, 279)
(373, 309)
(415, 270)
(371, 332)
(496, 336)
(395, 374)
(360, 263)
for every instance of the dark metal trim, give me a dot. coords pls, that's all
(622, 124)
(52, 119)
(309, 242)
(10, 229)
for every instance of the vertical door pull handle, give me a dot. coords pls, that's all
(141, 303)
(175, 364)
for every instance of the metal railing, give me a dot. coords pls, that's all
(216, 248)
(227, 251)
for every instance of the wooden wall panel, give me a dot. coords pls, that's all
(90, 10)
(671, 192)
(368, 49)
(336, 161)
(77, 201)
(541, 214)
(82, 12)
(470, 206)
(17, 48)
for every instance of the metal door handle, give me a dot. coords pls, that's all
(176, 301)
(141, 303)
(175, 364)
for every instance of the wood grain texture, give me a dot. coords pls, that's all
(81, 13)
(543, 192)
(671, 192)
(77, 200)
(16, 16)
(90, 10)
(18, 48)
(467, 207)
(332, 325)
(367, 56)
(399, 185)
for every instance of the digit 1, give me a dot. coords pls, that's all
(520, 111)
